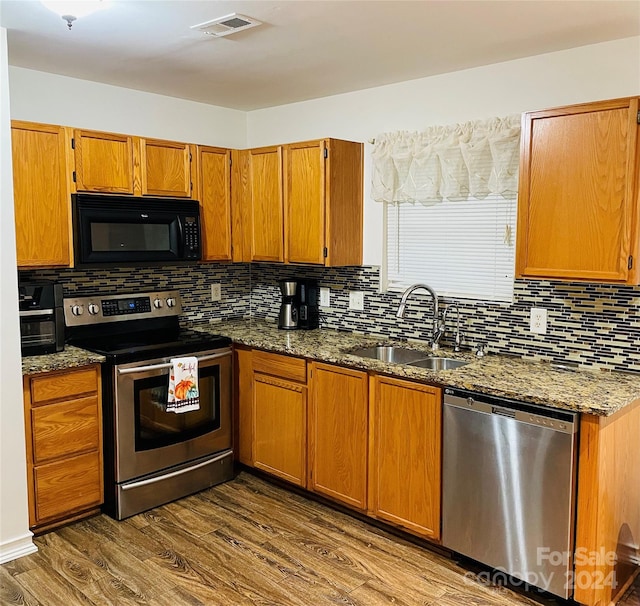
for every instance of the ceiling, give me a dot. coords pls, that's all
(305, 48)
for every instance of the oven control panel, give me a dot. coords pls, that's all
(97, 309)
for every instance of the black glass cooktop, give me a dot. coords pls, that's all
(141, 345)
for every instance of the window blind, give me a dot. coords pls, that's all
(461, 248)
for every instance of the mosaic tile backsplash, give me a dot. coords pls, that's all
(588, 324)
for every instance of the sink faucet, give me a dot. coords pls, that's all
(438, 326)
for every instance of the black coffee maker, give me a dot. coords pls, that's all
(308, 297)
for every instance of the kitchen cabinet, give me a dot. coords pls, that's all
(266, 200)
(243, 405)
(279, 416)
(338, 434)
(405, 455)
(63, 427)
(323, 202)
(104, 162)
(608, 512)
(578, 195)
(41, 189)
(165, 168)
(214, 194)
(306, 203)
(123, 164)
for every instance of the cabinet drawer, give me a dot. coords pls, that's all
(63, 385)
(67, 486)
(65, 428)
(285, 367)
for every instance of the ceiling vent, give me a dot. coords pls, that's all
(229, 24)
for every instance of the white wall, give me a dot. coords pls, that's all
(15, 538)
(49, 98)
(588, 73)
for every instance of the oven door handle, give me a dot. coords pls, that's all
(136, 369)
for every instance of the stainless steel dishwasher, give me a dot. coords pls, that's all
(509, 472)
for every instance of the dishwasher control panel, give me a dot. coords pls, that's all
(523, 412)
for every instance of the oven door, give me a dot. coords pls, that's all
(147, 437)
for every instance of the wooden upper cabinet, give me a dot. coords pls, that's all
(578, 193)
(305, 202)
(324, 202)
(265, 185)
(165, 167)
(338, 434)
(103, 162)
(214, 194)
(41, 188)
(405, 455)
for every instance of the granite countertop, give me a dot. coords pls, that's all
(71, 357)
(597, 392)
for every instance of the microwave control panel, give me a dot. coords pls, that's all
(96, 309)
(191, 238)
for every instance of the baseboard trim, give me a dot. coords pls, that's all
(16, 548)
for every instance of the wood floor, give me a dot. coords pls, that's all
(245, 542)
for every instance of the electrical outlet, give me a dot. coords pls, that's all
(538, 320)
(216, 292)
(356, 299)
(325, 297)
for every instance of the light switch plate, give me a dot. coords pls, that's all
(356, 299)
(325, 297)
(538, 320)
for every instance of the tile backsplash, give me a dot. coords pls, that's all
(588, 324)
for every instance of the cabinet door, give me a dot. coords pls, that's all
(166, 168)
(214, 181)
(67, 486)
(305, 202)
(265, 183)
(280, 428)
(406, 455)
(104, 162)
(338, 430)
(577, 212)
(41, 194)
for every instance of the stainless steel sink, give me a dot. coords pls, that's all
(404, 355)
(438, 363)
(389, 353)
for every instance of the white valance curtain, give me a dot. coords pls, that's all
(472, 159)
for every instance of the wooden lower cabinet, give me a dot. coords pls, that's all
(372, 443)
(405, 455)
(279, 417)
(338, 434)
(63, 423)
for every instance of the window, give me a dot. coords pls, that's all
(462, 248)
(449, 196)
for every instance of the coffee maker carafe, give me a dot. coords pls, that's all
(288, 317)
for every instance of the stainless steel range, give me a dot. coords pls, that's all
(153, 455)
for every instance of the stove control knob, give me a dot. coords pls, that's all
(157, 303)
(93, 309)
(77, 310)
(171, 302)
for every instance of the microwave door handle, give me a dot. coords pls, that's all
(136, 369)
(181, 238)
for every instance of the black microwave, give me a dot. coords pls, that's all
(119, 230)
